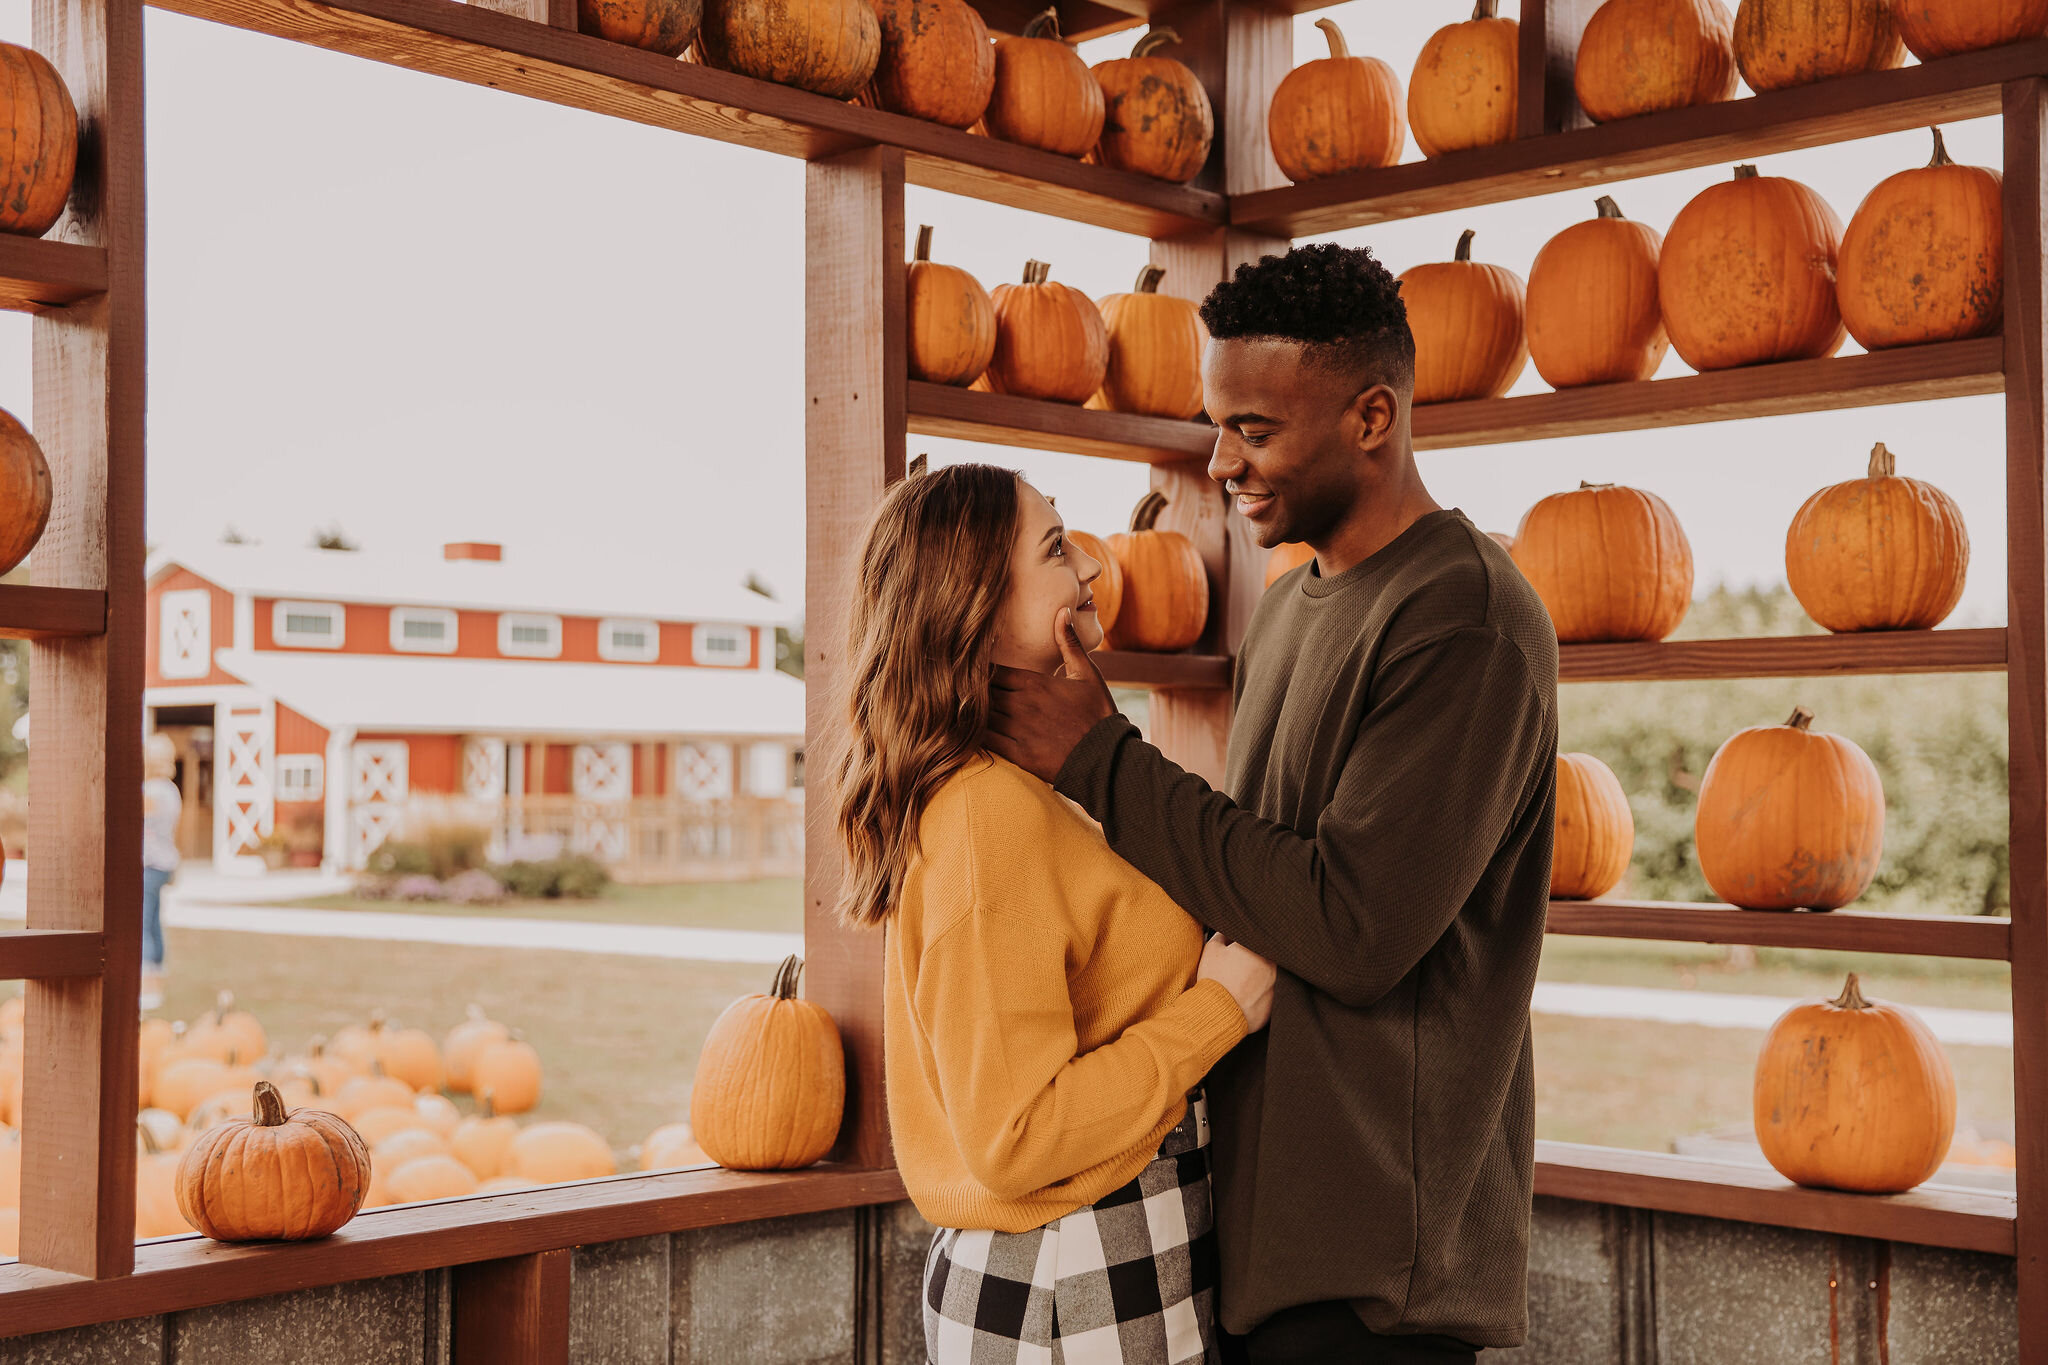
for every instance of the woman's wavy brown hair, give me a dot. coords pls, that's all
(921, 639)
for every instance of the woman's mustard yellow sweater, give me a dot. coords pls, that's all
(1042, 1023)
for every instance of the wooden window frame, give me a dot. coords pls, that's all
(401, 643)
(85, 282)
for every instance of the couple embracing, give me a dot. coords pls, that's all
(1110, 985)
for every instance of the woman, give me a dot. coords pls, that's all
(1047, 1008)
(160, 809)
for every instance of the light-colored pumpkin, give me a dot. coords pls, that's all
(375, 1125)
(1166, 586)
(183, 1085)
(510, 1072)
(1467, 320)
(1156, 115)
(950, 335)
(771, 1081)
(459, 1049)
(1610, 563)
(407, 1054)
(1747, 274)
(1783, 43)
(407, 1144)
(936, 61)
(1645, 56)
(1045, 96)
(1593, 316)
(10, 1168)
(422, 1178)
(1596, 831)
(1854, 1094)
(274, 1176)
(1050, 341)
(671, 1146)
(550, 1153)
(375, 1091)
(156, 1189)
(483, 1141)
(1462, 93)
(1923, 258)
(1282, 558)
(1155, 350)
(1336, 114)
(1789, 818)
(437, 1112)
(1878, 553)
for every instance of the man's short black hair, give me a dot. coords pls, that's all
(1337, 301)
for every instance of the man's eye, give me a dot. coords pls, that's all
(1255, 438)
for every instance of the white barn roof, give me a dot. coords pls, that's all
(573, 585)
(511, 697)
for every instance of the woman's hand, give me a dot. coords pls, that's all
(1247, 976)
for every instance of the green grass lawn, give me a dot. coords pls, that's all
(775, 904)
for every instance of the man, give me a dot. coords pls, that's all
(1386, 842)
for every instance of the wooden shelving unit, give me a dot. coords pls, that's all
(1787, 656)
(38, 274)
(1005, 419)
(28, 612)
(1849, 931)
(1165, 670)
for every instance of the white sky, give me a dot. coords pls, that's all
(433, 312)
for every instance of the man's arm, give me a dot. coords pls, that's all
(1440, 769)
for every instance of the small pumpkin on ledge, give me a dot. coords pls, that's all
(771, 1081)
(1336, 114)
(274, 1176)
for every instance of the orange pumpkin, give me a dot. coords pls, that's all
(1747, 274)
(156, 1190)
(274, 1176)
(1878, 553)
(1337, 114)
(25, 491)
(1166, 585)
(1923, 259)
(1596, 832)
(664, 26)
(1783, 43)
(1854, 1094)
(408, 1144)
(41, 146)
(1156, 115)
(1463, 91)
(355, 1046)
(1155, 350)
(10, 1168)
(327, 1073)
(183, 1085)
(407, 1054)
(225, 1032)
(1050, 341)
(936, 61)
(1467, 321)
(1644, 56)
(509, 1073)
(373, 1126)
(376, 1091)
(828, 47)
(669, 1147)
(429, 1177)
(1592, 309)
(483, 1141)
(1045, 96)
(549, 1153)
(951, 335)
(437, 1112)
(464, 1042)
(1282, 558)
(771, 1081)
(1108, 588)
(1943, 28)
(152, 1037)
(1610, 563)
(1789, 818)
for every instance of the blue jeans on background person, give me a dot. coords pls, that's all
(153, 880)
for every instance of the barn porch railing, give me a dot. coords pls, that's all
(639, 839)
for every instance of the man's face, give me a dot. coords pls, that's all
(1291, 438)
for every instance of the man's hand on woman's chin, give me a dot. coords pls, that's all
(1036, 719)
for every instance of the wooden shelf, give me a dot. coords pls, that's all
(1682, 139)
(1970, 1220)
(479, 46)
(28, 612)
(1005, 419)
(1849, 931)
(45, 954)
(1164, 670)
(1913, 374)
(37, 275)
(1787, 656)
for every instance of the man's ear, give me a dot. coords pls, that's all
(1376, 409)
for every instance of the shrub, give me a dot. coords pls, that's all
(418, 888)
(374, 888)
(574, 875)
(474, 887)
(436, 850)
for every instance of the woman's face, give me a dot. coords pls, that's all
(1046, 575)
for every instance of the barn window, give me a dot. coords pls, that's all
(627, 640)
(423, 630)
(530, 637)
(308, 625)
(300, 777)
(719, 645)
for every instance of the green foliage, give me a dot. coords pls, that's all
(436, 851)
(575, 875)
(1938, 740)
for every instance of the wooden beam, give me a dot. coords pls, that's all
(512, 1311)
(854, 376)
(85, 769)
(182, 1273)
(1789, 656)
(1969, 1220)
(1176, 671)
(32, 612)
(50, 954)
(1841, 110)
(1550, 33)
(1914, 374)
(1848, 931)
(1008, 420)
(37, 274)
(2026, 511)
(470, 43)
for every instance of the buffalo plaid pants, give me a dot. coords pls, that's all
(1128, 1280)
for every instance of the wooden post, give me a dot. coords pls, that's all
(553, 13)
(85, 771)
(1550, 47)
(854, 380)
(513, 1311)
(2026, 504)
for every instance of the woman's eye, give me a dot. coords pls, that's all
(1059, 548)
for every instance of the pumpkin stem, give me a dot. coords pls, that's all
(1801, 718)
(223, 1004)
(1941, 156)
(318, 1047)
(1037, 272)
(1883, 464)
(1336, 36)
(1851, 997)
(1045, 24)
(149, 1144)
(1746, 173)
(924, 253)
(1465, 245)
(377, 1021)
(1148, 510)
(485, 1106)
(1154, 40)
(786, 977)
(269, 1105)
(1607, 207)
(1585, 487)
(1148, 279)
(1485, 9)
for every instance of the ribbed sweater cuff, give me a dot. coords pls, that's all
(1214, 1016)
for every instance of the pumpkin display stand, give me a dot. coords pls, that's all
(506, 1251)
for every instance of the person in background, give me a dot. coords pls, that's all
(161, 806)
